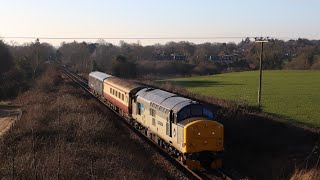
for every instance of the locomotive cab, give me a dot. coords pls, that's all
(203, 140)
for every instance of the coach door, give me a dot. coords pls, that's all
(134, 106)
(169, 124)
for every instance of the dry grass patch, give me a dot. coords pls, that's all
(87, 143)
(312, 174)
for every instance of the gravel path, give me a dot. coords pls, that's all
(7, 116)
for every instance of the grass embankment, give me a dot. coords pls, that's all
(93, 145)
(293, 95)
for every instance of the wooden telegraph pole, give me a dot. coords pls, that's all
(260, 40)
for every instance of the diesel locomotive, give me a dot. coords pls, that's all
(185, 128)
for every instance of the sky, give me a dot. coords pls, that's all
(212, 20)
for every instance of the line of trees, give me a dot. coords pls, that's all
(292, 54)
(20, 65)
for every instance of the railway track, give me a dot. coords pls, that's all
(208, 174)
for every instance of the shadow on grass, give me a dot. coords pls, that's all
(292, 121)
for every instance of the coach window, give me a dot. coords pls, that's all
(110, 90)
(122, 97)
(152, 112)
(139, 108)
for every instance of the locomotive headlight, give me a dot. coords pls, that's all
(199, 134)
(212, 133)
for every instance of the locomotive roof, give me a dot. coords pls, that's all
(125, 85)
(165, 99)
(155, 95)
(99, 75)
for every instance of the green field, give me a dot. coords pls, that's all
(292, 94)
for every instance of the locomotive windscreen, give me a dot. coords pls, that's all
(194, 110)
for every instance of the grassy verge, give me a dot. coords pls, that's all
(92, 145)
(294, 95)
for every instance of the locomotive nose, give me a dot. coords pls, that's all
(203, 135)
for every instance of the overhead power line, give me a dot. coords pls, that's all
(125, 38)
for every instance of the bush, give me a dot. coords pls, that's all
(298, 64)
(306, 174)
(164, 68)
(205, 69)
(49, 80)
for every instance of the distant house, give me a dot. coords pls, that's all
(174, 56)
(225, 59)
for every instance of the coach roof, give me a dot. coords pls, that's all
(99, 75)
(123, 84)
